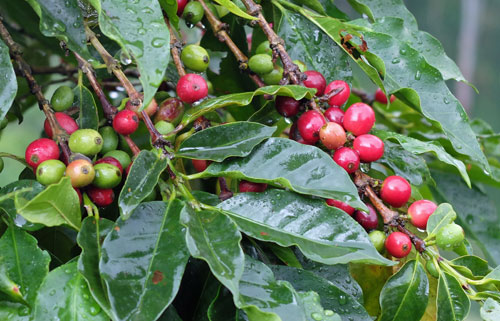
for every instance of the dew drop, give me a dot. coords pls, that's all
(157, 42)
(52, 293)
(396, 60)
(317, 316)
(141, 31)
(86, 296)
(23, 311)
(131, 11)
(402, 51)
(328, 312)
(94, 310)
(68, 271)
(470, 219)
(446, 100)
(418, 75)
(342, 299)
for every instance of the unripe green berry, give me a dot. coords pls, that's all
(193, 12)
(109, 139)
(86, 141)
(195, 57)
(378, 239)
(274, 77)
(432, 269)
(450, 236)
(210, 87)
(106, 175)
(261, 64)
(164, 128)
(62, 98)
(264, 48)
(121, 156)
(50, 171)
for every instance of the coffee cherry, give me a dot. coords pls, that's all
(62, 98)
(378, 239)
(125, 122)
(340, 98)
(369, 147)
(396, 191)
(41, 150)
(110, 160)
(246, 186)
(50, 171)
(261, 64)
(359, 119)
(181, 4)
(335, 114)
(121, 156)
(109, 139)
(81, 172)
(398, 244)
(200, 164)
(264, 48)
(191, 88)
(80, 198)
(287, 106)
(66, 122)
(106, 175)
(332, 135)
(341, 205)
(450, 236)
(432, 269)
(274, 77)
(101, 197)
(171, 110)
(381, 98)
(85, 141)
(369, 220)
(136, 104)
(309, 125)
(195, 57)
(193, 12)
(347, 158)
(315, 80)
(164, 128)
(420, 211)
(295, 135)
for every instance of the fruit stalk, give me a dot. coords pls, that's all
(365, 97)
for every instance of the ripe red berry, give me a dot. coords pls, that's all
(396, 191)
(368, 220)
(191, 88)
(66, 122)
(420, 211)
(381, 98)
(359, 119)
(41, 150)
(398, 244)
(341, 205)
(335, 114)
(200, 164)
(125, 122)
(332, 135)
(341, 97)
(77, 190)
(369, 147)
(246, 186)
(295, 135)
(101, 196)
(180, 6)
(287, 106)
(110, 160)
(315, 80)
(347, 158)
(309, 125)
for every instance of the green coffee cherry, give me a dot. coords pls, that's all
(378, 239)
(274, 77)
(120, 156)
(450, 236)
(4, 123)
(432, 269)
(263, 48)
(302, 65)
(193, 12)
(1, 164)
(195, 57)
(62, 98)
(261, 64)
(210, 87)
(164, 128)
(86, 141)
(109, 139)
(106, 175)
(50, 171)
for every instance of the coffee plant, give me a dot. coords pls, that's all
(235, 160)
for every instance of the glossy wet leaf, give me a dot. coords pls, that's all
(313, 310)
(222, 307)
(312, 4)
(214, 238)
(143, 260)
(452, 302)
(85, 102)
(285, 254)
(283, 162)
(442, 216)
(9, 206)
(323, 233)
(223, 141)
(490, 310)
(8, 81)
(141, 180)
(9, 289)
(406, 293)
(474, 264)
(229, 5)
(58, 204)
(64, 295)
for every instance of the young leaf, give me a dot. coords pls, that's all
(8, 81)
(475, 266)
(170, 8)
(443, 215)
(229, 5)
(85, 102)
(452, 302)
(405, 295)
(9, 206)
(490, 310)
(143, 260)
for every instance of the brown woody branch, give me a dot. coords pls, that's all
(175, 48)
(365, 97)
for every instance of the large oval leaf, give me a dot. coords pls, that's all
(143, 260)
(452, 302)
(8, 81)
(405, 295)
(323, 233)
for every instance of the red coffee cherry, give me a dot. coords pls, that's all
(287, 106)
(101, 196)
(347, 158)
(77, 190)
(110, 160)
(180, 6)
(66, 122)
(359, 119)
(309, 125)
(125, 122)
(381, 98)
(420, 211)
(295, 135)
(335, 114)
(246, 186)
(396, 191)
(398, 244)
(369, 220)
(315, 80)
(41, 150)
(81, 172)
(200, 164)
(332, 135)
(369, 147)
(191, 88)
(341, 205)
(171, 110)
(340, 98)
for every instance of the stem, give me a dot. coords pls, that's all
(14, 193)
(14, 157)
(225, 192)
(132, 145)
(156, 138)
(365, 97)
(175, 48)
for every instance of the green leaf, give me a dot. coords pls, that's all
(313, 310)
(85, 102)
(8, 81)
(418, 147)
(170, 7)
(9, 206)
(283, 162)
(9, 288)
(378, 9)
(443, 215)
(141, 180)
(323, 233)
(64, 295)
(490, 310)
(143, 261)
(475, 266)
(214, 238)
(312, 4)
(494, 275)
(452, 302)
(222, 307)
(58, 204)
(285, 254)
(138, 27)
(229, 5)
(220, 142)
(90, 240)
(406, 293)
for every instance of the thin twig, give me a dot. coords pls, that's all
(365, 97)
(175, 48)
